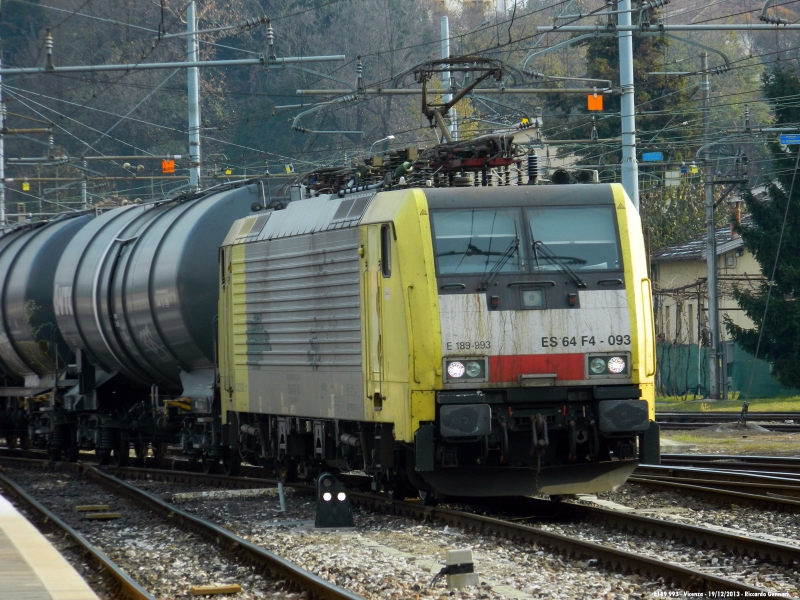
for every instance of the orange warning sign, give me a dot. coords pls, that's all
(595, 102)
(168, 166)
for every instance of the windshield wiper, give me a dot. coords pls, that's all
(549, 255)
(512, 248)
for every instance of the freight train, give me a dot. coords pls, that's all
(437, 319)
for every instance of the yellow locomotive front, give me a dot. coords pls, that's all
(460, 341)
(537, 341)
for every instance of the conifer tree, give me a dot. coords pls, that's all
(774, 230)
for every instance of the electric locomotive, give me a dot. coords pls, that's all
(458, 341)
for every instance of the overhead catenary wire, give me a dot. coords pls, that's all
(251, 149)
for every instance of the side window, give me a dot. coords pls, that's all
(386, 250)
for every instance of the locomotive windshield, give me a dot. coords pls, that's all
(582, 237)
(476, 241)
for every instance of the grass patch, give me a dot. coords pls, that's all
(672, 404)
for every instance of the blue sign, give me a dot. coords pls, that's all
(788, 139)
(657, 156)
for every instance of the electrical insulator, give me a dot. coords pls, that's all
(359, 75)
(533, 168)
(48, 45)
(270, 40)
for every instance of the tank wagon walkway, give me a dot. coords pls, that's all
(30, 567)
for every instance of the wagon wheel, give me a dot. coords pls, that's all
(120, 453)
(231, 462)
(103, 455)
(139, 451)
(160, 450)
(396, 486)
(72, 448)
(12, 440)
(53, 453)
(209, 463)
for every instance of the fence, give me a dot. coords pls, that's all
(683, 371)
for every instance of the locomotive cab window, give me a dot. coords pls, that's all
(386, 250)
(476, 241)
(585, 238)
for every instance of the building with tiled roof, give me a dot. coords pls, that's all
(679, 275)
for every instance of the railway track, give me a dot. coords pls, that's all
(773, 490)
(610, 558)
(742, 545)
(774, 421)
(119, 580)
(212, 534)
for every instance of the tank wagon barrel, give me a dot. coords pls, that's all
(137, 290)
(33, 350)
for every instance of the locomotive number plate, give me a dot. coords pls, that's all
(585, 340)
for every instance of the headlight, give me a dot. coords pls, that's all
(616, 364)
(474, 369)
(597, 365)
(458, 370)
(608, 365)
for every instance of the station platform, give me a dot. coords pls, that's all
(30, 567)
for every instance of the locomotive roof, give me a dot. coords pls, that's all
(327, 212)
(520, 195)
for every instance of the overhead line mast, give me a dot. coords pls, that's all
(630, 168)
(194, 99)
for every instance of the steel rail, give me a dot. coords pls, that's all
(778, 460)
(737, 543)
(684, 426)
(785, 470)
(278, 566)
(127, 586)
(727, 416)
(743, 463)
(691, 420)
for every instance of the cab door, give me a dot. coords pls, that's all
(373, 291)
(225, 332)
